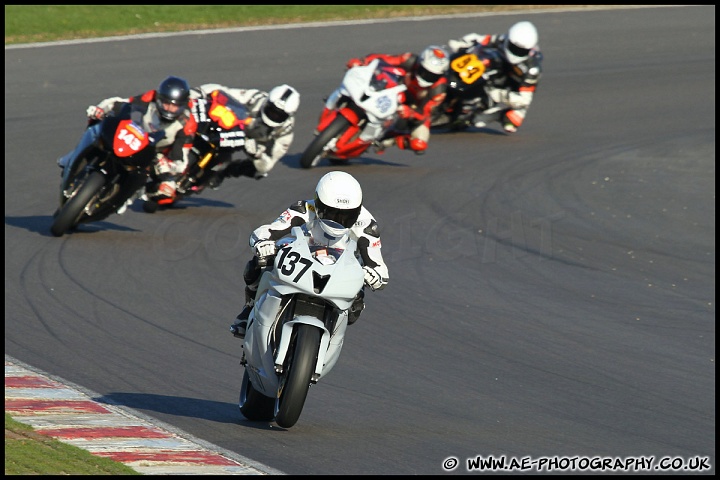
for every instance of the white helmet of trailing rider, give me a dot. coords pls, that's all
(282, 101)
(520, 39)
(338, 201)
(431, 64)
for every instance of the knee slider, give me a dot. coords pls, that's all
(418, 144)
(513, 117)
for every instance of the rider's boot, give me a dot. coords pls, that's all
(139, 194)
(239, 326)
(215, 178)
(164, 194)
(483, 118)
(381, 145)
(244, 168)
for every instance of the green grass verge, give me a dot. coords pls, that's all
(44, 23)
(29, 453)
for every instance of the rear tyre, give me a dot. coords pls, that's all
(313, 153)
(70, 213)
(295, 387)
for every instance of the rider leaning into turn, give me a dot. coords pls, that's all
(426, 89)
(168, 109)
(338, 198)
(269, 135)
(513, 90)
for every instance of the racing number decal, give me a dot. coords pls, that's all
(469, 67)
(288, 262)
(223, 116)
(129, 139)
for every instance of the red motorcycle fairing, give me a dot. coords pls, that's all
(348, 144)
(130, 138)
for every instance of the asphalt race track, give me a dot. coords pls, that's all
(552, 293)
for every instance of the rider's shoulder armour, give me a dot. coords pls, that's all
(373, 229)
(299, 206)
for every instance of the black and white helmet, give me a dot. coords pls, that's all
(520, 39)
(431, 64)
(338, 202)
(282, 101)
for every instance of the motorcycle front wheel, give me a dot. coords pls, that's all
(313, 153)
(70, 213)
(254, 405)
(294, 387)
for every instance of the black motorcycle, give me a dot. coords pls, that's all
(113, 162)
(471, 71)
(221, 132)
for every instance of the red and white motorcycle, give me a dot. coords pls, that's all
(358, 114)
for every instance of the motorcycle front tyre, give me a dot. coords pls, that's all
(254, 405)
(70, 213)
(291, 398)
(313, 153)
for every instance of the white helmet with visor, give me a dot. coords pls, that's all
(338, 202)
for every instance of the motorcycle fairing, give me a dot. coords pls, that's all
(291, 276)
(130, 138)
(379, 105)
(348, 144)
(468, 67)
(226, 112)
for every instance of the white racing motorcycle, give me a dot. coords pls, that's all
(297, 326)
(357, 114)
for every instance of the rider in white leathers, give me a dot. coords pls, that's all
(338, 198)
(513, 89)
(269, 137)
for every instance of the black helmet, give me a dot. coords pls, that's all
(172, 91)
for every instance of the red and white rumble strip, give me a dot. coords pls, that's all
(55, 409)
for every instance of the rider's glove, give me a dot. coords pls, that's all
(264, 248)
(456, 45)
(164, 165)
(354, 62)
(95, 113)
(466, 41)
(372, 278)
